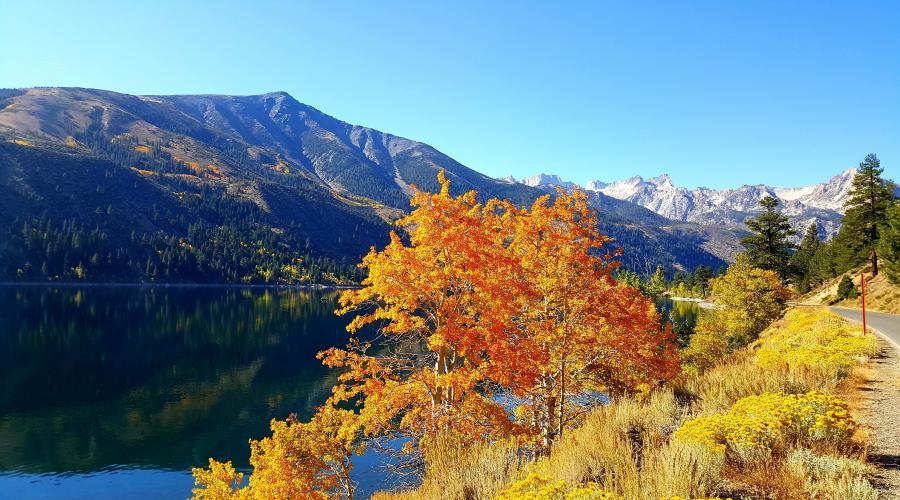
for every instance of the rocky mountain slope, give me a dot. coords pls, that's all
(234, 188)
(820, 203)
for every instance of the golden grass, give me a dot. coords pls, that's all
(881, 295)
(626, 447)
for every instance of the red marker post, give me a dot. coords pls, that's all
(862, 284)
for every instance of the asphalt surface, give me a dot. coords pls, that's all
(887, 324)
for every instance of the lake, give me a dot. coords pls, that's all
(117, 391)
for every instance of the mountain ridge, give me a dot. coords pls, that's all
(820, 203)
(181, 170)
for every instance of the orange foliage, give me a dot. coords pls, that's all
(488, 297)
(141, 148)
(484, 300)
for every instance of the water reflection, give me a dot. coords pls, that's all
(116, 392)
(683, 316)
(157, 377)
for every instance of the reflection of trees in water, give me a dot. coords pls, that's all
(155, 376)
(683, 316)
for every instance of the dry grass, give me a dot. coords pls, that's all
(881, 295)
(626, 448)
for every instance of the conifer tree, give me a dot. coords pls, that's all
(889, 244)
(768, 246)
(866, 209)
(801, 259)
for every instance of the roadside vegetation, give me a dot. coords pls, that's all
(763, 422)
(513, 364)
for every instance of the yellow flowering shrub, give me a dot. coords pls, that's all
(538, 487)
(817, 339)
(758, 422)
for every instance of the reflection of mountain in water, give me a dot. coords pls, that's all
(158, 377)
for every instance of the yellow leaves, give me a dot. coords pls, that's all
(142, 148)
(219, 482)
(21, 142)
(748, 300)
(71, 142)
(299, 460)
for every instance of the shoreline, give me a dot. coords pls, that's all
(702, 303)
(76, 284)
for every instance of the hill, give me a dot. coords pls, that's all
(103, 186)
(881, 294)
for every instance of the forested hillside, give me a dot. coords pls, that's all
(102, 186)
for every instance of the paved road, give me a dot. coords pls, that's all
(888, 324)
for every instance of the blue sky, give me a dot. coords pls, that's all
(714, 93)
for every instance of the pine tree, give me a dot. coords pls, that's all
(865, 209)
(800, 261)
(702, 275)
(768, 246)
(889, 244)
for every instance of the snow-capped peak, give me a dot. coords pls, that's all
(546, 180)
(820, 203)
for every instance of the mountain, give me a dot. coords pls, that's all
(821, 203)
(104, 186)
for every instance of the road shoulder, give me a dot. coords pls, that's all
(880, 406)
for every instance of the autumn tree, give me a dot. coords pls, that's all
(768, 246)
(866, 209)
(489, 298)
(657, 284)
(482, 300)
(585, 332)
(300, 460)
(748, 299)
(444, 303)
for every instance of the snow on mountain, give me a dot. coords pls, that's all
(547, 180)
(820, 203)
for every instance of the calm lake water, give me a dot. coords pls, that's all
(116, 392)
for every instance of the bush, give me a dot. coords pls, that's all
(537, 487)
(765, 421)
(816, 340)
(846, 289)
(825, 476)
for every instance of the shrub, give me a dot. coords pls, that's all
(537, 487)
(817, 340)
(826, 476)
(846, 288)
(761, 422)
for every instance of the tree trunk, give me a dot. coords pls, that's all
(549, 425)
